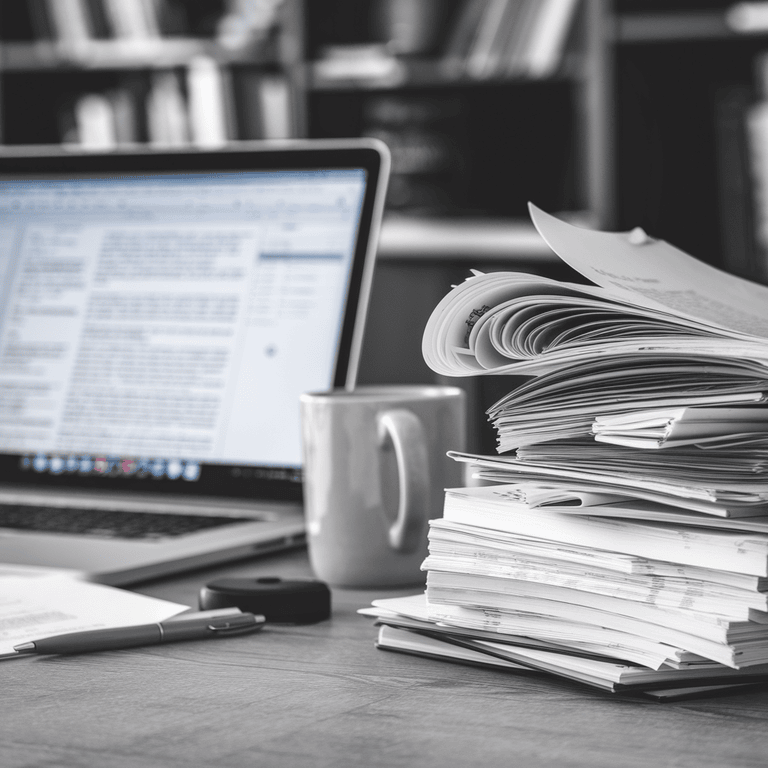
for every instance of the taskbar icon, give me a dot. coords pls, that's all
(111, 466)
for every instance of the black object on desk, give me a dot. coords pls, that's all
(291, 602)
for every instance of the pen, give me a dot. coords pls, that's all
(194, 628)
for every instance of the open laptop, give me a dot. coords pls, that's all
(160, 314)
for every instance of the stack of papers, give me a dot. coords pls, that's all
(620, 537)
(568, 402)
(621, 598)
(649, 385)
(407, 625)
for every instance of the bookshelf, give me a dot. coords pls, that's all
(146, 67)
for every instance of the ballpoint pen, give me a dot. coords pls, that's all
(192, 628)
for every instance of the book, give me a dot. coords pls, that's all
(515, 54)
(70, 21)
(276, 109)
(485, 57)
(490, 28)
(133, 20)
(509, 38)
(128, 105)
(747, 17)
(97, 20)
(149, 12)
(95, 121)
(244, 23)
(359, 62)
(207, 90)
(548, 36)
(248, 115)
(166, 109)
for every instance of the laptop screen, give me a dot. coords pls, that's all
(159, 327)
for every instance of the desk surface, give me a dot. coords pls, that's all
(322, 695)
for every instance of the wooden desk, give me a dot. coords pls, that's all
(322, 695)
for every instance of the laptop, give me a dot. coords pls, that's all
(160, 314)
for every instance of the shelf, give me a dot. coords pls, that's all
(679, 27)
(404, 237)
(161, 53)
(385, 73)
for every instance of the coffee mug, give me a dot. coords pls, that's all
(374, 472)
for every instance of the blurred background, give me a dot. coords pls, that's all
(614, 114)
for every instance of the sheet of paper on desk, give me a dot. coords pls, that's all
(655, 274)
(33, 608)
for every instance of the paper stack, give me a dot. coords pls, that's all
(621, 536)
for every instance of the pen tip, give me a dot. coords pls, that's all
(24, 647)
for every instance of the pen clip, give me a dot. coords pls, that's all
(232, 625)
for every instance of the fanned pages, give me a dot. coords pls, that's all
(651, 301)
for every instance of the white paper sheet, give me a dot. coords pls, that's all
(33, 608)
(655, 274)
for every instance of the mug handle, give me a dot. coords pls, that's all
(405, 431)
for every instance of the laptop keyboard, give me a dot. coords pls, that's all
(108, 523)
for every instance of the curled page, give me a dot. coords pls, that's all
(651, 300)
(655, 274)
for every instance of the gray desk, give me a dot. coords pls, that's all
(321, 695)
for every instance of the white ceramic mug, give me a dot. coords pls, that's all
(374, 472)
